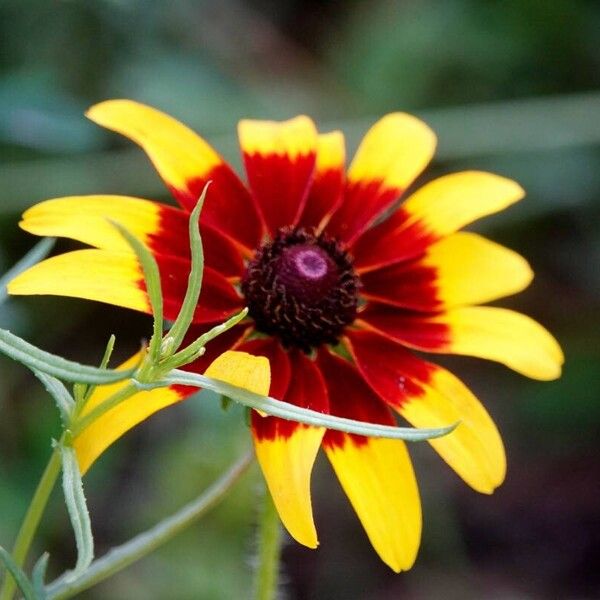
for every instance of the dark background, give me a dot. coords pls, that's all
(510, 86)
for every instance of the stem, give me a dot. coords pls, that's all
(32, 519)
(122, 556)
(269, 551)
(46, 485)
(99, 410)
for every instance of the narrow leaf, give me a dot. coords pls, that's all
(110, 345)
(285, 410)
(61, 396)
(39, 251)
(78, 512)
(190, 301)
(188, 354)
(153, 287)
(35, 358)
(18, 575)
(79, 392)
(38, 577)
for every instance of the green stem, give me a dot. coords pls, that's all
(46, 485)
(122, 556)
(269, 551)
(86, 420)
(32, 519)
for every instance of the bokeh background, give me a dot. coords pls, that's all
(511, 86)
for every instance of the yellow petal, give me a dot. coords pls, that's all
(428, 396)
(378, 478)
(85, 218)
(391, 155)
(474, 449)
(508, 337)
(237, 368)
(107, 276)
(243, 370)
(446, 204)
(472, 270)
(178, 153)
(393, 152)
(103, 432)
(286, 452)
(327, 187)
(331, 152)
(291, 138)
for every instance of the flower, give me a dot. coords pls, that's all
(339, 293)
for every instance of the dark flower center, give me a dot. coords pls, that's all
(301, 288)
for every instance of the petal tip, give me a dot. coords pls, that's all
(403, 119)
(96, 111)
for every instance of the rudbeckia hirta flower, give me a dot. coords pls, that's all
(340, 288)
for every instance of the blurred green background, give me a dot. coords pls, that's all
(511, 86)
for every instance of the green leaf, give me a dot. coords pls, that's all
(79, 392)
(110, 345)
(78, 512)
(18, 575)
(285, 410)
(190, 353)
(38, 576)
(35, 358)
(192, 293)
(153, 287)
(59, 392)
(39, 251)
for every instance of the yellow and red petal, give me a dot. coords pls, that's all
(463, 268)
(286, 451)
(498, 334)
(391, 155)
(376, 474)
(243, 370)
(280, 161)
(106, 430)
(439, 208)
(101, 434)
(104, 275)
(186, 163)
(278, 359)
(326, 191)
(163, 229)
(428, 396)
(116, 278)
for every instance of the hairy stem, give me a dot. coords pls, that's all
(32, 520)
(269, 551)
(122, 556)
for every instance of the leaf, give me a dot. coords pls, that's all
(59, 392)
(35, 358)
(190, 353)
(192, 293)
(103, 364)
(285, 410)
(39, 251)
(153, 287)
(39, 575)
(78, 512)
(18, 575)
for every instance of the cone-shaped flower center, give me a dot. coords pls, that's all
(301, 288)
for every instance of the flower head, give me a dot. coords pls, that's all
(340, 287)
